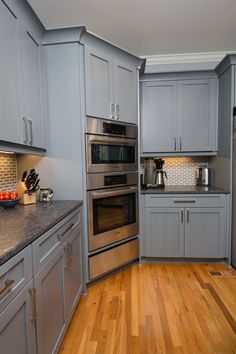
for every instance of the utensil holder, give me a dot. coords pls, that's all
(25, 196)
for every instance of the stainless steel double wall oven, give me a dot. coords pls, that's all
(112, 190)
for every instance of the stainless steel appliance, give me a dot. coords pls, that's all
(110, 146)
(112, 212)
(154, 176)
(203, 176)
(159, 174)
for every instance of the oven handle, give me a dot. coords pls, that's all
(113, 140)
(112, 193)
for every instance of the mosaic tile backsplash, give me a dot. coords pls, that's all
(8, 172)
(181, 170)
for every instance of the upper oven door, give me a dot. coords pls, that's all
(109, 154)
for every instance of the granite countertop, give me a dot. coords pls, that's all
(23, 224)
(184, 190)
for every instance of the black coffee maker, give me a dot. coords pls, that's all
(159, 173)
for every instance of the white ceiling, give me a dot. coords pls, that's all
(149, 27)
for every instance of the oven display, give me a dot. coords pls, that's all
(115, 180)
(113, 212)
(112, 154)
(114, 129)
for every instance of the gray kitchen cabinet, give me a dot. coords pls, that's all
(110, 87)
(51, 318)
(99, 90)
(17, 331)
(204, 232)
(179, 116)
(22, 115)
(186, 226)
(9, 82)
(125, 92)
(73, 270)
(197, 123)
(31, 89)
(164, 232)
(159, 116)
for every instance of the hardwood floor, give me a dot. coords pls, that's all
(156, 308)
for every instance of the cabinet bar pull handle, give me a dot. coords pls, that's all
(182, 215)
(8, 286)
(26, 130)
(175, 143)
(33, 293)
(187, 215)
(117, 111)
(61, 235)
(112, 112)
(31, 131)
(180, 143)
(66, 250)
(184, 201)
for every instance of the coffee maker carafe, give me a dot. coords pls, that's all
(159, 174)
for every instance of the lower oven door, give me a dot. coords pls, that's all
(112, 215)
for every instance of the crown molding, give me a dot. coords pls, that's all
(183, 62)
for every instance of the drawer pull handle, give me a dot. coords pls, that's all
(8, 286)
(184, 201)
(60, 236)
(33, 293)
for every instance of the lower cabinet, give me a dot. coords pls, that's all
(49, 303)
(73, 270)
(183, 231)
(17, 325)
(34, 318)
(164, 232)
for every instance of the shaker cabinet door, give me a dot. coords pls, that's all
(73, 270)
(125, 92)
(51, 320)
(31, 89)
(164, 232)
(159, 116)
(197, 128)
(9, 80)
(17, 332)
(204, 233)
(99, 84)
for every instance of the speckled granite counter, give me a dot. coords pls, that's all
(184, 190)
(21, 225)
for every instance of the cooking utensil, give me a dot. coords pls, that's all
(24, 176)
(34, 187)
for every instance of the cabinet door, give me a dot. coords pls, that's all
(164, 232)
(125, 92)
(31, 93)
(159, 116)
(197, 129)
(73, 270)
(17, 332)
(204, 232)
(99, 83)
(49, 284)
(9, 83)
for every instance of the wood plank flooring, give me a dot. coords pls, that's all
(156, 308)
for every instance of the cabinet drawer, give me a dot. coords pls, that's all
(183, 200)
(14, 275)
(106, 261)
(45, 246)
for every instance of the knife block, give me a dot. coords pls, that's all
(25, 196)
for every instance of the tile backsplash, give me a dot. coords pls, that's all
(181, 170)
(8, 172)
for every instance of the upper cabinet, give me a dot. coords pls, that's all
(9, 80)
(22, 115)
(110, 87)
(179, 116)
(31, 90)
